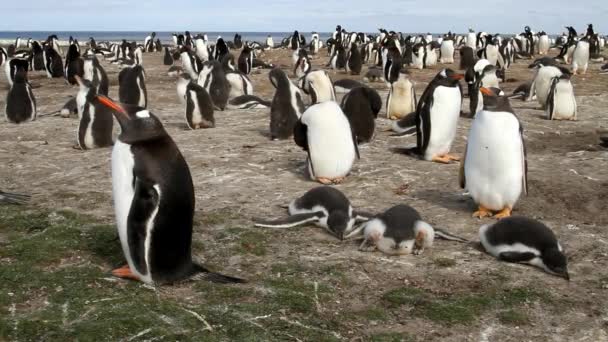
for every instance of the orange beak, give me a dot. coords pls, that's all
(486, 91)
(118, 110)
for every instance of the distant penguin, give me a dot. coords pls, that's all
(287, 105)
(547, 71)
(168, 58)
(419, 56)
(153, 200)
(36, 58)
(20, 100)
(338, 60)
(523, 240)
(96, 121)
(199, 107)
(373, 75)
(318, 85)
(437, 116)
(361, 106)
(149, 43)
(269, 43)
(13, 66)
(295, 41)
(345, 85)
(201, 49)
(467, 58)
(221, 49)
(353, 60)
(94, 72)
(580, 58)
(483, 74)
(213, 78)
(303, 65)
(561, 103)
(325, 134)
(189, 63)
(74, 65)
(248, 102)
(132, 86)
(543, 43)
(401, 99)
(245, 63)
(52, 62)
(494, 168)
(326, 206)
(447, 51)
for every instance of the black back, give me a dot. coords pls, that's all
(36, 57)
(467, 58)
(219, 88)
(283, 113)
(400, 221)
(328, 197)
(354, 60)
(221, 49)
(103, 121)
(361, 106)
(205, 105)
(518, 229)
(53, 63)
(128, 88)
(20, 101)
(74, 65)
(167, 59)
(245, 62)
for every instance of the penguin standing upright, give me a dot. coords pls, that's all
(213, 78)
(11, 68)
(199, 107)
(201, 49)
(447, 51)
(361, 106)
(221, 49)
(580, 58)
(325, 134)
(36, 57)
(295, 41)
(96, 121)
(52, 62)
(543, 43)
(3, 56)
(20, 101)
(483, 74)
(245, 63)
(561, 103)
(132, 86)
(353, 60)
(494, 169)
(318, 85)
(547, 71)
(467, 58)
(303, 65)
(74, 65)
(149, 45)
(168, 58)
(94, 72)
(524, 240)
(471, 40)
(401, 99)
(437, 116)
(287, 105)
(153, 200)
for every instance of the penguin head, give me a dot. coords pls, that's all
(448, 76)
(337, 223)
(495, 100)
(542, 62)
(556, 263)
(137, 124)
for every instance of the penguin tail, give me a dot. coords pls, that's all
(12, 198)
(200, 272)
(406, 126)
(449, 236)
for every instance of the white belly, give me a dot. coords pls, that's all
(580, 58)
(444, 120)
(293, 210)
(494, 160)
(542, 83)
(564, 102)
(543, 45)
(447, 51)
(492, 54)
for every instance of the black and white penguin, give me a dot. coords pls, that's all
(303, 64)
(447, 51)
(245, 62)
(74, 65)
(467, 58)
(3, 56)
(52, 62)
(213, 78)
(132, 86)
(94, 72)
(543, 43)
(325, 134)
(168, 58)
(547, 71)
(36, 57)
(494, 167)
(344, 85)
(326, 207)
(20, 100)
(149, 45)
(69, 108)
(295, 42)
(13, 198)
(239, 83)
(437, 116)
(96, 121)
(199, 107)
(361, 106)
(158, 45)
(319, 86)
(483, 74)
(523, 240)
(221, 49)
(338, 60)
(353, 60)
(580, 57)
(287, 105)
(522, 91)
(248, 102)
(201, 50)
(153, 200)
(561, 103)
(401, 99)
(12, 67)
(399, 231)
(190, 63)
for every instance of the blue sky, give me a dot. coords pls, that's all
(320, 15)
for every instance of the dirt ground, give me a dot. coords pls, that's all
(239, 174)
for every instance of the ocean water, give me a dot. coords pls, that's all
(165, 37)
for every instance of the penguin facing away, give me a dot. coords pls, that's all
(153, 200)
(168, 58)
(494, 167)
(199, 107)
(325, 134)
(561, 103)
(361, 106)
(132, 86)
(287, 105)
(326, 206)
(523, 240)
(74, 65)
(96, 121)
(20, 100)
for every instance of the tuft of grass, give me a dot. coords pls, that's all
(513, 317)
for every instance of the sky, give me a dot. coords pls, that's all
(435, 16)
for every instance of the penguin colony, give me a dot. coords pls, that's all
(152, 185)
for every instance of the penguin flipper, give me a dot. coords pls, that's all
(461, 175)
(516, 256)
(12, 198)
(361, 216)
(405, 125)
(291, 221)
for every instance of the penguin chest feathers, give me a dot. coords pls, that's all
(444, 114)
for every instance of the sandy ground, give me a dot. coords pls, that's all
(238, 172)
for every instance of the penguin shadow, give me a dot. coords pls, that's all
(407, 151)
(447, 199)
(103, 243)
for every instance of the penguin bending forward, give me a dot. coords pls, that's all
(153, 200)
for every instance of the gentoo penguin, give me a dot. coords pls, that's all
(561, 103)
(248, 102)
(523, 240)
(522, 91)
(604, 69)
(318, 85)
(245, 63)
(418, 56)
(303, 65)
(344, 85)
(353, 60)
(132, 86)
(199, 107)
(20, 101)
(399, 231)
(494, 168)
(239, 83)
(69, 108)
(36, 57)
(190, 63)
(168, 58)
(547, 70)
(447, 51)
(287, 105)
(12, 67)
(52, 62)
(149, 43)
(13, 198)
(201, 50)
(401, 98)
(153, 200)
(437, 116)
(221, 49)
(543, 43)
(295, 41)
(74, 65)
(94, 72)
(213, 78)
(96, 121)
(483, 74)
(326, 206)
(580, 58)
(467, 58)
(361, 106)
(338, 60)
(325, 134)
(269, 43)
